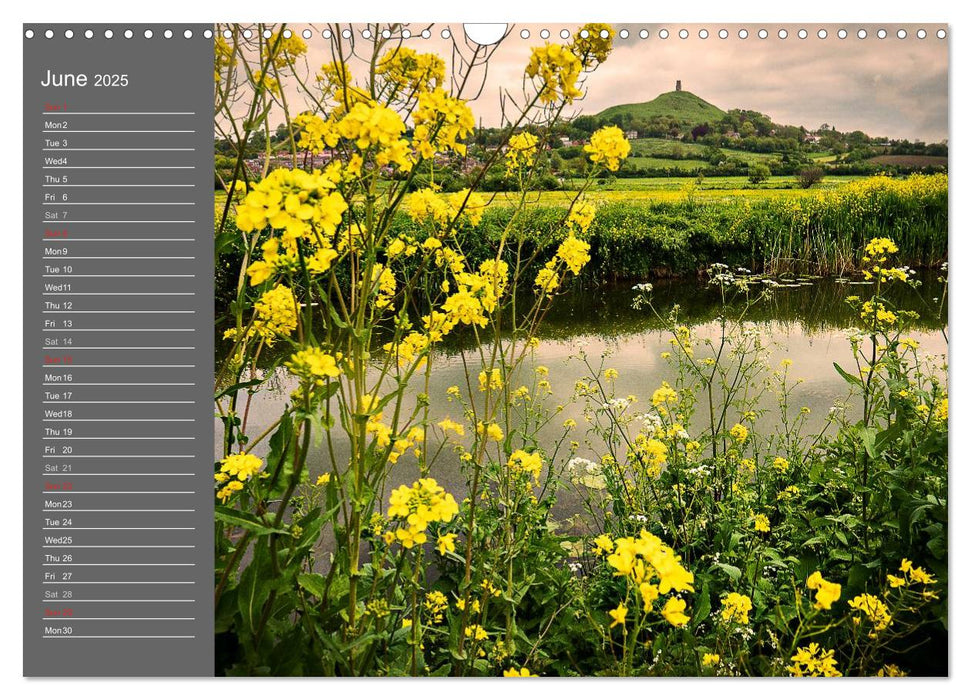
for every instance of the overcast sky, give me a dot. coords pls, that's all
(885, 87)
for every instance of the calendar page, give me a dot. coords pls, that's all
(486, 350)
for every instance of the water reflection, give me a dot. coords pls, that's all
(806, 323)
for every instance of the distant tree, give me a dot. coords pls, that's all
(810, 176)
(699, 131)
(584, 126)
(759, 173)
(714, 156)
(747, 130)
(282, 133)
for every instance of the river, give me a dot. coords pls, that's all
(805, 320)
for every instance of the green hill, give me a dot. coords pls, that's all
(686, 106)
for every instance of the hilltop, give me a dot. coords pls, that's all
(685, 106)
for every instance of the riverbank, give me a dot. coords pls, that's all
(821, 233)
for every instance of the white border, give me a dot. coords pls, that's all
(708, 11)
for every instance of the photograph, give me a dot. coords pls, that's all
(580, 350)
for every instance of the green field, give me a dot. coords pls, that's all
(670, 149)
(688, 107)
(686, 155)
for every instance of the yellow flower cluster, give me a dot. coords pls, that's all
(300, 203)
(478, 294)
(876, 315)
(489, 381)
(547, 279)
(403, 443)
(618, 615)
(440, 120)
(520, 151)
(409, 349)
(234, 471)
(476, 632)
(780, 464)
(673, 612)
(378, 127)
(762, 523)
(447, 424)
(490, 431)
(574, 253)
(875, 610)
(827, 592)
(521, 673)
(655, 569)
(608, 147)
(224, 56)
(890, 671)
(880, 248)
(814, 661)
(313, 366)
(384, 284)
(523, 462)
(275, 313)
(735, 608)
(557, 68)
(427, 205)
(877, 251)
(664, 395)
(739, 433)
(316, 134)
(911, 575)
(471, 204)
(411, 72)
(581, 215)
(593, 43)
(435, 606)
(417, 506)
(333, 76)
(283, 50)
(266, 82)
(446, 543)
(649, 453)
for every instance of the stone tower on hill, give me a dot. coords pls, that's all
(677, 86)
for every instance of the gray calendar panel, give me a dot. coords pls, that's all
(118, 348)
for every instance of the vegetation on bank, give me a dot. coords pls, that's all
(821, 232)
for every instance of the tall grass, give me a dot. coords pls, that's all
(828, 230)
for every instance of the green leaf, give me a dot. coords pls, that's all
(869, 438)
(702, 605)
(236, 387)
(734, 573)
(847, 376)
(312, 583)
(253, 589)
(237, 518)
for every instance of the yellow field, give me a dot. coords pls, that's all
(659, 195)
(667, 190)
